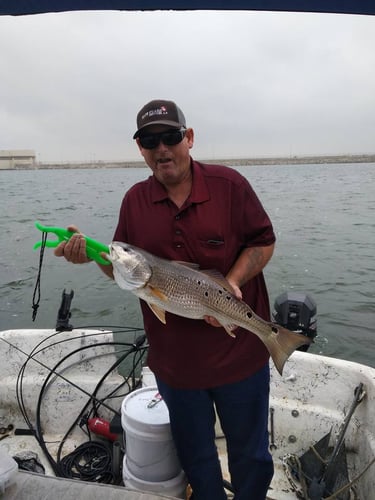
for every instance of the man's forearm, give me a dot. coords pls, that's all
(107, 270)
(251, 262)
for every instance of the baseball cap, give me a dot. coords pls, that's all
(159, 112)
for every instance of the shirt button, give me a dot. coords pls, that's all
(178, 231)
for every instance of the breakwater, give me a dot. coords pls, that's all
(290, 160)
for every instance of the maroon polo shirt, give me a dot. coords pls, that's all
(221, 217)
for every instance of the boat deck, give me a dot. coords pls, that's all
(311, 399)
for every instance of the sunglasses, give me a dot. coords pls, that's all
(169, 138)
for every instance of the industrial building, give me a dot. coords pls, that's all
(17, 158)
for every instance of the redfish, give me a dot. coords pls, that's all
(182, 289)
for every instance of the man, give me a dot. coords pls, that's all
(209, 215)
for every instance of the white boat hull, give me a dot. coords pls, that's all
(313, 396)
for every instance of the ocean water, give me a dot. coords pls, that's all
(323, 215)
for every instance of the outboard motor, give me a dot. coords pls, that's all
(297, 312)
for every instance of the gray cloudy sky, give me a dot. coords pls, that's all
(249, 83)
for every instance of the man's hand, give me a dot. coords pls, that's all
(74, 250)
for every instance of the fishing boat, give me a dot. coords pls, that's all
(62, 390)
(62, 416)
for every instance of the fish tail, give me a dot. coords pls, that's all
(282, 343)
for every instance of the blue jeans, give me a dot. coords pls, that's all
(242, 408)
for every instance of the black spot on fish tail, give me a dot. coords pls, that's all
(249, 315)
(274, 329)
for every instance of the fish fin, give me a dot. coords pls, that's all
(229, 329)
(157, 293)
(190, 265)
(282, 343)
(214, 274)
(158, 311)
(219, 279)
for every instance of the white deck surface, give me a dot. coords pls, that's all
(313, 396)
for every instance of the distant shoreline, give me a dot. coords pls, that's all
(292, 160)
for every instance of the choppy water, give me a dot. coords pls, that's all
(324, 218)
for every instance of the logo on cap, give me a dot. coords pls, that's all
(155, 112)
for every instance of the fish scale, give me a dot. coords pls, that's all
(194, 297)
(182, 289)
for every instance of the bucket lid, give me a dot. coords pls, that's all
(146, 406)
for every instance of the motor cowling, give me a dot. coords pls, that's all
(296, 311)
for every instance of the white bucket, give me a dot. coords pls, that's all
(150, 451)
(175, 487)
(148, 377)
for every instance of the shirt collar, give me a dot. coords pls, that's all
(199, 192)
